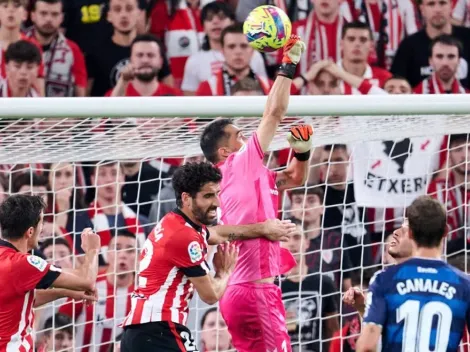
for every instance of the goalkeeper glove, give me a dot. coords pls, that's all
(300, 140)
(292, 52)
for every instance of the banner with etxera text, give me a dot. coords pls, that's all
(391, 174)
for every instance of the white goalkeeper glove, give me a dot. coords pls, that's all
(300, 140)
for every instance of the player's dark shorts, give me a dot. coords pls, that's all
(157, 336)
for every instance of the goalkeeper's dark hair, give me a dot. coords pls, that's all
(191, 177)
(212, 137)
(460, 138)
(18, 213)
(427, 221)
(23, 51)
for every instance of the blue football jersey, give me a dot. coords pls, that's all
(421, 305)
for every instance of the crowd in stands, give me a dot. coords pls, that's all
(119, 48)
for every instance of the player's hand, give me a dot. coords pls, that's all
(354, 298)
(293, 50)
(279, 230)
(300, 138)
(225, 258)
(90, 240)
(88, 297)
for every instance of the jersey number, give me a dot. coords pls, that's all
(91, 13)
(188, 342)
(418, 325)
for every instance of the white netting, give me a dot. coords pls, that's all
(387, 161)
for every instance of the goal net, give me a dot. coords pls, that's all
(112, 171)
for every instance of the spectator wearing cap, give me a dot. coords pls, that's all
(237, 53)
(412, 57)
(112, 53)
(201, 66)
(140, 76)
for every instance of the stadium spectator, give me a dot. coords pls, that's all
(141, 185)
(111, 54)
(3, 188)
(321, 31)
(461, 13)
(56, 251)
(12, 14)
(58, 335)
(444, 57)
(389, 22)
(214, 332)
(319, 81)
(201, 66)
(85, 22)
(452, 191)
(22, 60)
(107, 213)
(98, 325)
(295, 9)
(178, 25)
(140, 76)
(325, 253)
(412, 57)
(237, 53)
(341, 211)
(65, 71)
(65, 197)
(246, 87)
(311, 309)
(356, 43)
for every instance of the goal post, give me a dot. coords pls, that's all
(372, 156)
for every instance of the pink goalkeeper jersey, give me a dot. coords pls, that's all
(249, 195)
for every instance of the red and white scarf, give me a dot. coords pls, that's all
(103, 228)
(432, 85)
(317, 41)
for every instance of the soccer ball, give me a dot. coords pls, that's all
(267, 28)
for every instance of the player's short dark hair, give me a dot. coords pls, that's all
(54, 242)
(427, 221)
(147, 38)
(23, 51)
(18, 213)
(309, 190)
(448, 40)
(236, 28)
(29, 179)
(58, 322)
(247, 84)
(211, 138)
(190, 178)
(459, 138)
(356, 25)
(51, 2)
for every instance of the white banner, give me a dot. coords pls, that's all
(391, 174)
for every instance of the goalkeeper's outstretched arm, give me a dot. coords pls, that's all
(278, 99)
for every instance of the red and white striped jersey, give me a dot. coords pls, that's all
(455, 197)
(98, 324)
(375, 75)
(20, 275)
(175, 251)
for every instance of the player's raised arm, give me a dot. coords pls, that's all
(272, 229)
(278, 98)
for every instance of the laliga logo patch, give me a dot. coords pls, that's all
(37, 262)
(195, 251)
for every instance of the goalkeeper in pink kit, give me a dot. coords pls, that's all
(252, 304)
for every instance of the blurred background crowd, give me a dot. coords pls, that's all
(347, 209)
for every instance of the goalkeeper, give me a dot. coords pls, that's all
(252, 304)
